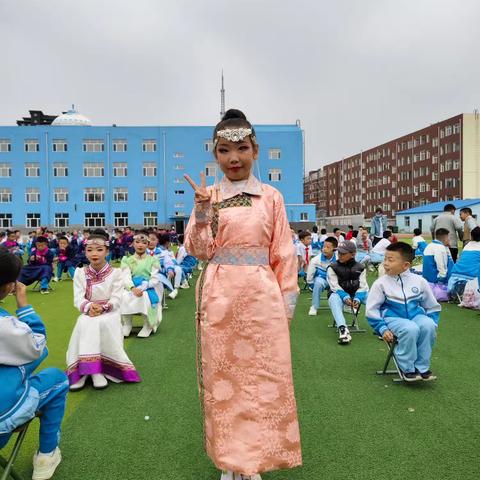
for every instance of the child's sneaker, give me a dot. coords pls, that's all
(428, 376)
(344, 335)
(312, 312)
(79, 385)
(44, 291)
(411, 376)
(173, 294)
(45, 464)
(99, 381)
(185, 285)
(55, 279)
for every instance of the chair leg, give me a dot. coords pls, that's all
(390, 356)
(8, 465)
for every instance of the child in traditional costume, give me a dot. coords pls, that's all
(143, 290)
(96, 346)
(246, 297)
(65, 255)
(13, 245)
(39, 266)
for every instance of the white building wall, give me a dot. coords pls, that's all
(471, 156)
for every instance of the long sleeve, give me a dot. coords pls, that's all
(127, 274)
(199, 240)
(117, 289)
(335, 287)
(440, 257)
(79, 289)
(432, 228)
(312, 267)
(458, 224)
(430, 304)
(283, 260)
(375, 300)
(361, 293)
(22, 339)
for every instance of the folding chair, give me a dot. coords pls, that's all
(353, 327)
(36, 287)
(7, 464)
(390, 356)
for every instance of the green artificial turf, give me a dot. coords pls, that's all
(354, 424)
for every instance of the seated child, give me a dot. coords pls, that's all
(467, 266)
(39, 266)
(438, 264)
(348, 285)
(96, 345)
(402, 305)
(304, 252)
(65, 259)
(173, 271)
(23, 393)
(378, 251)
(317, 272)
(364, 247)
(418, 242)
(186, 262)
(323, 237)
(143, 290)
(315, 241)
(12, 244)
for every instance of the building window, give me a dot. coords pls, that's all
(5, 220)
(60, 195)
(32, 195)
(448, 130)
(456, 128)
(179, 166)
(5, 145)
(32, 169)
(120, 219)
(120, 169)
(120, 194)
(303, 216)
(149, 146)
(5, 195)
(32, 145)
(5, 170)
(60, 170)
(94, 220)
(93, 170)
(62, 220)
(150, 194)
(93, 145)
(94, 195)
(119, 145)
(150, 219)
(179, 192)
(149, 169)
(208, 145)
(274, 175)
(59, 145)
(211, 169)
(274, 154)
(178, 155)
(33, 220)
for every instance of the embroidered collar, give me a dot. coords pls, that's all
(92, 274)
(230, 189)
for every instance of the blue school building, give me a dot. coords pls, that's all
(71, 174)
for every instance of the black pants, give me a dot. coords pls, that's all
(454, 252)
(375, 240)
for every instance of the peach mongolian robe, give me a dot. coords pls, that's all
(246, 296)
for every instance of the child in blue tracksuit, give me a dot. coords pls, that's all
(23, 393)
(438, 264)
(401, 304)
(317, 271)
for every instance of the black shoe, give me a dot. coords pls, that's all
(428, 376)
(411, 376)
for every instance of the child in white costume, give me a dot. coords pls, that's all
(96, 346)
(143, 290)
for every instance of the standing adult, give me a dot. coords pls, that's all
(453, 224)
(379, 225)
(469, 223)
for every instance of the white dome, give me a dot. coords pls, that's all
(72, 117)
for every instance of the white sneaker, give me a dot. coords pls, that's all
(185, 285)
(79, 385)
(45, 464)
(173, 294)
(227, 476)
(312, 312)
(55, 279)
(99, 381)
(145, 331)
(127, 327)
(344, 335)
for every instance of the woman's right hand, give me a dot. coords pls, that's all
(201, 192)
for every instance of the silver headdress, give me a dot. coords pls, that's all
(98, 241)
(141, 237)
(233, 134)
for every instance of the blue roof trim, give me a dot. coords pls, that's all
(437, 207)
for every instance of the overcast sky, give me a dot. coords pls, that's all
(355, 72)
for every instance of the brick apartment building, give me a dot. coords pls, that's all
(435, 163)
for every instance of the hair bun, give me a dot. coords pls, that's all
(100, 232)
(233, 113)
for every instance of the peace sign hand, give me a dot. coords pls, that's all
(201, 192)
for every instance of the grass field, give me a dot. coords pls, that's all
(354, 424)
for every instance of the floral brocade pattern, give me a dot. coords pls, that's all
(241, 200)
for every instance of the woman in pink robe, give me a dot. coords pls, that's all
(246, 297)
